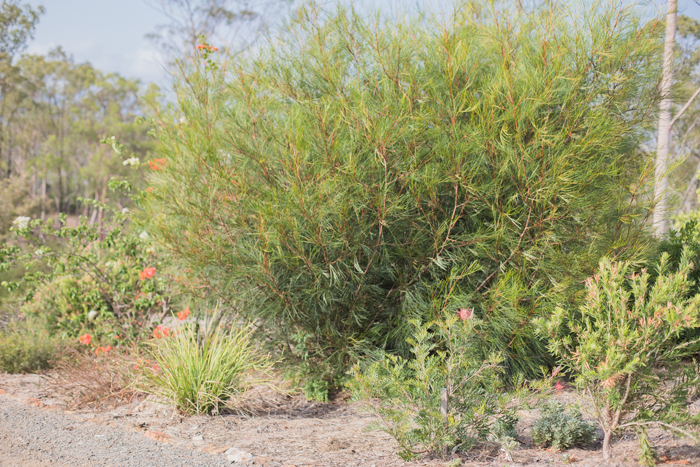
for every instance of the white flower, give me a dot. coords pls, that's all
(39, 252)
(183, 120)
(125, 210)
(92, 314)
(150, 250)
(132, 161)
(143, 235)
(21, 222)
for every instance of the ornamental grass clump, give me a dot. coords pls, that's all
(623, 350)
(200, 372)
(329, 180)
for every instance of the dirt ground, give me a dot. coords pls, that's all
(287, 430)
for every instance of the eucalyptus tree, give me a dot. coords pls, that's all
(17, 24)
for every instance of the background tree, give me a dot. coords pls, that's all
(17, 24)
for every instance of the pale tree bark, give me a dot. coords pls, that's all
(660, 223)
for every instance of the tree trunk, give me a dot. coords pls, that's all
(660, 224)
(43, 198)
(607, 446)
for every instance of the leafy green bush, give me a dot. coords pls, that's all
(199, 373)
(330, 182)
(28, 349)
(622, 347)
(406, 394)
(562, 429)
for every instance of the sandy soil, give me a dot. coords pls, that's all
(287, 430)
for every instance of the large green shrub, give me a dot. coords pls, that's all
(330, 183)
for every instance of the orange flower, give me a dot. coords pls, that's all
(181, 316)
(157, 164)
(147, 273)
(85, 339)
(161, 331)
(103, 349)
(149, 189)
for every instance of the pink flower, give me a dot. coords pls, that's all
(465, 313)
(85, 339)
(559, 386)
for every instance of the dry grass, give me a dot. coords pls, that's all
(96, 381)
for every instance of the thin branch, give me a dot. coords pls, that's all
(685, 107)
(665, 425)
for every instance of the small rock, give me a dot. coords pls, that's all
(238, 456)
(198, 438)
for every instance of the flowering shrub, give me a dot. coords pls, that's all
(96, 281)
(623, 351)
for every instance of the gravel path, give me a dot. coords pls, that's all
(34, 437)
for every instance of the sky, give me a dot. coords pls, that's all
(110, 34)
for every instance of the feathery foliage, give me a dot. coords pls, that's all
(356, 174)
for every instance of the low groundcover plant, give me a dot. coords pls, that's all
(562, 429)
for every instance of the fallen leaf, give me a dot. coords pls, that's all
(216, 449)
(34, 402)
(2, 391)
(158, 436)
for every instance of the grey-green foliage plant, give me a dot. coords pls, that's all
(623, 350)
(562, 429)
(332, 180)
(405, 394)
